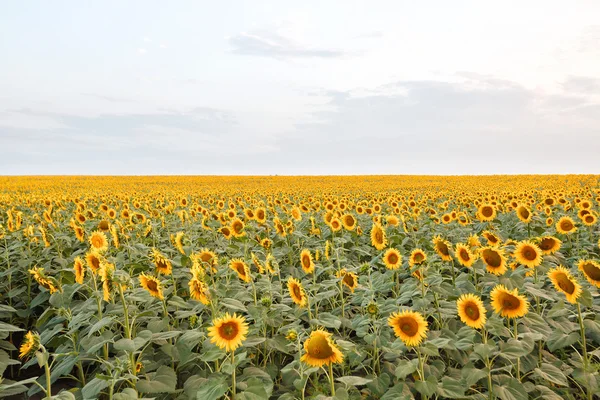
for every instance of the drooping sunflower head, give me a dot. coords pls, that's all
(473, 241)
(31, 343)
(494, 260)
(409, 326)
(228, 332)
(471, 310)
(417, 257)
(306, 261)
(443, 248)
(565, 283)
(591, 270)
(79, 233)
(508, 303)
(392, 259)
(199, 291)
(528, 253)
(241, 268)
(378, 237)
(296, 292)
(152, 285)
(492, 238)
(566, 225)
(99, 241)
(163, 264)
(79, 269)
(464, 255)
(207, 257)
(319, 350)
(349, 279)
(549, 244)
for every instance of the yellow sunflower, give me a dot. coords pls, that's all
(591, 270)
(31, 343)
(528, 253)
(228, 332)
(494, 260)
(162, 264)
(566, 225)
(349, 222)
(565, 283)
(491, 237)
(152, 285)
(237, 227)
(486, 212)
(306, 261)
(335, 224)
(378, 238)
(79, 269)
(443, 248)
(199, 291)
(589, 220)
(508, 303)
(464, 255)
(99, 241)
(320, 350)
(93, 260)
(241, 268)
(471, 310)
(392, 259)
(417, 257)
(349, 279)
(226, 231)
(409, 326)
(524, 213)
(549, 244)
(297, 292)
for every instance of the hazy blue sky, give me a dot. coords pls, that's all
(313, 87)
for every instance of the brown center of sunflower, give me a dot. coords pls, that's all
(589, 218)
(566, 225)
(529, 253)
(297, 292)
(547, 243)
(349, 220)
(239, 267)
(205, 257)
(419, 257)
(487, 211)
(472, 311)
(492, 258)
(161, 264)
(348, 280)
(95, 263)
(378, 236)
(524, 213)
(592, 271)
(442, 248)
(464, 254)
(237, 227)
(152, 285)
(510, 302)
(565, 283)
(306, 261)
(228, 330)
(409, 326)
(318, 347)
(392, 258)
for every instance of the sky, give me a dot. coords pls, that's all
(299, 88)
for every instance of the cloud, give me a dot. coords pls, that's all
(270, 44)
(142, 51)
(111, 99)
(582, 84)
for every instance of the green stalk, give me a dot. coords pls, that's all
(331, 378)
(48, 381)
(584, 347)
(233, 375)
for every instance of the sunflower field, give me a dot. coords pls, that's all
(357, 287)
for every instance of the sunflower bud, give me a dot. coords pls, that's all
(292, 335)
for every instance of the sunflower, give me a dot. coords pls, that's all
(152, 285)
(228, 332)
(528, 253)
(327, 251)
(508, 303)
(348, 222)
(106, 272)
(208, 258)
(409, 326)
(392, 259)
(162, 264)
(566, 226)
(115, 236)
(486, 212)
(335, 224)
(44, 281)
(473, 241)
(392, 220)
(93, 260)
(589, 220)
(350, 279)
(442, 248)
(237, 227)
(464, 255)
(199, 291)
(260, 214)
(491, 237)
(31, 343)
(79, 233)
(257, 264)
(241, 268)
(297, 292)
(98, 241)
(591, 270)
(306, 261)
(446, 218)
(378, 239)
(494, 260)
(565, 283)
(524, 213)
(266, 243)
(471, 310)
(320, 350)
(79, 269)
(226, 231)
(549, 244)
(417, 257)
(178, 241)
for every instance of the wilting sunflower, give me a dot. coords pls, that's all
(241, 268)
(464, 255)
(471, 310)
(106, 273)
(349, 279)
(565, 283)
(486, 212)
(392, 259)
(31, 343)
(237, 227)
(494, 260)
(320, 350)
(163, 264)
(417, 257)
(152, 285)
(591, 270)
(566, 226)
(178, 241)
(199, 291)
(524, 213)
(79, 269)
(378, 239)
(528, 253)
(297, 292)
(228, 332)
(349, 222)
(93, 260)
(409, 326)
(306, 261)
(99, 241)
(44, 281)
(549, 244)
(508, 303)
(443, 248)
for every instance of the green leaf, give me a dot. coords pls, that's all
(353, 380)
(233, 304)
(100, 324)
(164, 380)
(427, 387)
(451, 388)
(512, 389)
(4, 327)
(93, 387)
(125, 345)
(552, 374)
(126, 394)
(212, 389)
(405, 368)
(327, 320)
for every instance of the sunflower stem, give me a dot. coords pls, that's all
(488, 363)
(233, 375)
(583, 341)
(516, 334)
(453, 274)
(48, 381)
(331, 378)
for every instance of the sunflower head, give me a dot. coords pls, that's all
(349, 279)
(349, 222)
(392, 259)
(528, 253)
(228, 332)
(494, 260)
(471, 310)
(31, 343)
(152, 285)
(566, 225)
(409, 326)
(524, 213)
(199, 291)
(591, 271)
(565, 283)
(99, 241)
(79, 269)
(508, 303)
(378, 237)
(464, 255)
(443, 248)
(163, 264)
(486, 212)
(320, 350)
(417, 257)
(297, 292)
(239, 266)
(549, 244)
(306, 261)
